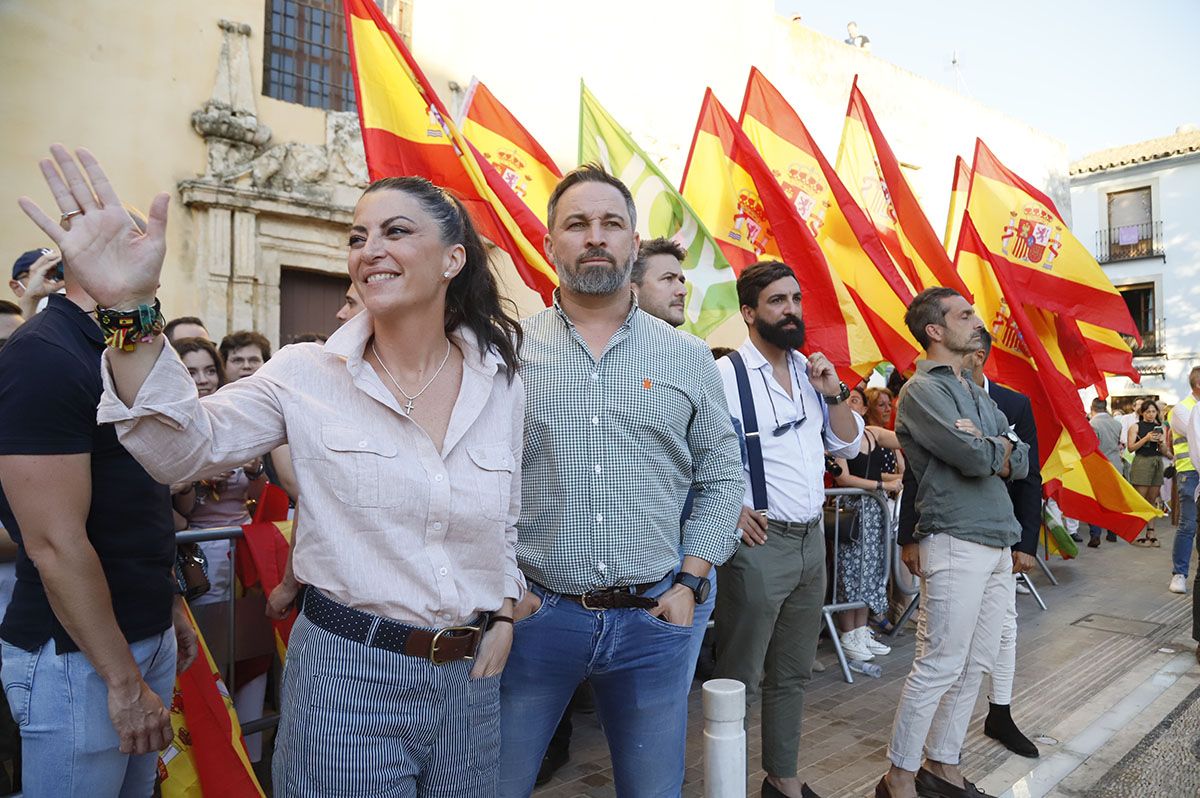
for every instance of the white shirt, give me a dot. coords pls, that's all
(391, 525)
(794, 462)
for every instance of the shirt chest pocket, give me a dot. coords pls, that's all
(491, 479)
(361, 467)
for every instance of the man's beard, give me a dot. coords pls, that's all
(592, 279)
(967, 346)
(778, 335)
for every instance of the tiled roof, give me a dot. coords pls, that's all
(1166, 147)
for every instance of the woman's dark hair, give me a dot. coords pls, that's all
(188, 345)
(1146, 405)
(472, 298)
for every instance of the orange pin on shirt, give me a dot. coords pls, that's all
(647, 384)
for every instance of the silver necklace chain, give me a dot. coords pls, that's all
(408, 408)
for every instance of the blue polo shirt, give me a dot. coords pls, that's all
(49, 389)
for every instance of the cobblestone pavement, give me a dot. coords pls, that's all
(1110, 626)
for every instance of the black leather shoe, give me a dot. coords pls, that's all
(1111, 537)
(1000, 726)
(554, 759)
(931, 786)
(769, 790)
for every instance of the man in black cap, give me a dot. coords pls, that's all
(35, 275)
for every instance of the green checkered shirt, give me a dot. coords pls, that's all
(612, 447)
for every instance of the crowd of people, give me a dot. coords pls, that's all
(492, 513)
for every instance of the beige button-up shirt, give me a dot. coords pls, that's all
(389, 524)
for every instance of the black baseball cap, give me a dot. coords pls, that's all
(26, 261)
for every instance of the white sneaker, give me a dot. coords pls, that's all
(873, 645)
(1022, 590)
(854, 648)
(1178, 584)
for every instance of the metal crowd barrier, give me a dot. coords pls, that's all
(888, 541)
(255, 633)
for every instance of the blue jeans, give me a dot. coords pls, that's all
(1185, 534)
(700, 620)
(68, 744)
(639, 671)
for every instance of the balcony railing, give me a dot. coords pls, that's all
(1129, 242)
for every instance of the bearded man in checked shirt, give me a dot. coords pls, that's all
(623, 416)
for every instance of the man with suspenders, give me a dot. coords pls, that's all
(769, 606)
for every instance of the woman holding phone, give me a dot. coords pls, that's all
(1149, 440)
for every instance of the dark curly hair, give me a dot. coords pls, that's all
(472, 298)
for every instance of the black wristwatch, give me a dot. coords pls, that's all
(842, 395)
(699, 585)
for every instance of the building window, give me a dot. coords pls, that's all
(306, 58)
(1132, 231)
(1139, 298)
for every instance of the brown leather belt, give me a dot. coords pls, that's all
(616, 598)
(439, 646)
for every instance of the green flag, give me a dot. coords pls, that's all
(662, 212)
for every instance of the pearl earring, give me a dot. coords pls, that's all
(446, 274)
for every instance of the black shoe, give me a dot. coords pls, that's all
(554, 759)
(1094, 543)
(1075, 536)
(1111, 537)
(769, 790)
(931, 786)
(1000, 726)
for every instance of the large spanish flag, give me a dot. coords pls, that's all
(1051, 268)
(505, 143)
(206, 754)
(407, 131)
(958, 202)
(872, 173)
(736, 197)
(1027, 356)
(842, 230)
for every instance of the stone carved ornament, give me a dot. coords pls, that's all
(240, 148)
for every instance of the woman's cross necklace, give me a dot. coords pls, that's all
(408, 408)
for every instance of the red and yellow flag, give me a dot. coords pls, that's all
(1027, 356)
(736, 197)
(206, 755)
(407, 131)
(263, 558)
(515, 154)
(842, 230)
(1049, 266)
(872, 173)
(958, 202)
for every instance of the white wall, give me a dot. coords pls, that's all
(1175, 201)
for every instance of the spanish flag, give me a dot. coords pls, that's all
(1049, 266)
(872, 173)
(842, 230)
(738, 199)
(1027, 357)
(958, 201)
(263, 558)
(206, 755)
(407, 131)
(505, 143)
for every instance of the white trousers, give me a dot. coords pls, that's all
(965, 592)
(1006, 658)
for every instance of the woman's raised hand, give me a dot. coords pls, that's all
(109, 258)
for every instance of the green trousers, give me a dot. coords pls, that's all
(768, 618)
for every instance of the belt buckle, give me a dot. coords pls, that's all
(583, 602)
(438, 636)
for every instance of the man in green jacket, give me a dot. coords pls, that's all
(962, 451)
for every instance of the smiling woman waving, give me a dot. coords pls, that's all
(405, 430)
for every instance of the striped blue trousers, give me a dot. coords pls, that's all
(360, 721)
